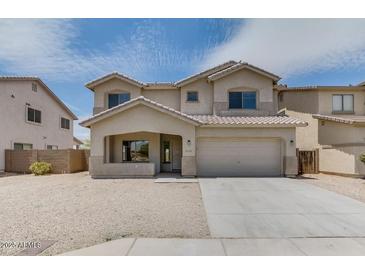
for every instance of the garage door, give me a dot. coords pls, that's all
(238, 157)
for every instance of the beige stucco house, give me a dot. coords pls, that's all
(336, 124)
(219, 122)
(32, 117)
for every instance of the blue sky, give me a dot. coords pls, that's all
(68, 53)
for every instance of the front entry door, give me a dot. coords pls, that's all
(171, 153)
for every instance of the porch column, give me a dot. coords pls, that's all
(290, 158)
(188, 160)
(107, 149)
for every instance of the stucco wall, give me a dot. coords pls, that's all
(342, 160)
(13, 125)
(170, 98)
(339, 133)
(306, 137)
(244, 80)
(300, 101)
(205, 94)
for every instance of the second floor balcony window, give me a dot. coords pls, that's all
(115, 99)
(242, 100)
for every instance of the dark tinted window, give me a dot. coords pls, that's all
(235, 100)
(117, 99)
(65, 123)
(249, 100)
(242, 100)
(34, 115)
(192, 96)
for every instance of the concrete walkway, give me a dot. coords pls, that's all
(223, 247)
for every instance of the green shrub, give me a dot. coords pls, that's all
(362, 158)
(40, 168)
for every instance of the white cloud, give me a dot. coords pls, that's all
(295, 46)
(51, 49)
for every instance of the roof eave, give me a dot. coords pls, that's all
(256, 125)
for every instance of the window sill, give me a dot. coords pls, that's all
(33, 123)
(192, 102)
(238, 109)
(343, 112)
(135, 162)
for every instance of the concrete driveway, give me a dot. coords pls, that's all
(279, 208)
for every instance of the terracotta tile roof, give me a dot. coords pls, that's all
(239, 66)
(209, 120)
(249, 121)
(50, 92)
(348, 119)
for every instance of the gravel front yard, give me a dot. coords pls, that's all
(77, 211)
(352, 187)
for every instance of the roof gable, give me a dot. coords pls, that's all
(91, 85)
(241, 66)
(138, 101)
(47, 89)
(204, 73)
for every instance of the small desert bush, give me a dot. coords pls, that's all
(40, 168)
(362, 158)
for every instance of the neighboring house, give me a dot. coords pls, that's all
(336, 124)
(32, 117)
(77, 143)
(220, 122)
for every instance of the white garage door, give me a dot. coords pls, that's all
(238, 157)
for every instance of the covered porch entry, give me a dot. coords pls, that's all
(141, 138)
(144, 153)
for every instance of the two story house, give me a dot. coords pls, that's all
(336, 124)
(32, 117)
(219, 122)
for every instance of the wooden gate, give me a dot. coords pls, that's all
(308, 161)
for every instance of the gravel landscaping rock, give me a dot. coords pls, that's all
(351, 187)
(77, 211)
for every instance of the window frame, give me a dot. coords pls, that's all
(342, 103)
(22, 144)
(51, 147)
(190, 92)
(69, 123)
(131, 150)
(34, 122)
(119, 94)
(242, 93)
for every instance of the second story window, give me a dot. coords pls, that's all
(34, 115)
(242, 100)
(192, 96)
(115, 99)
(65, 123)
(343, 103)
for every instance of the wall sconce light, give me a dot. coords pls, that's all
(189, 142)
(292, 141)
